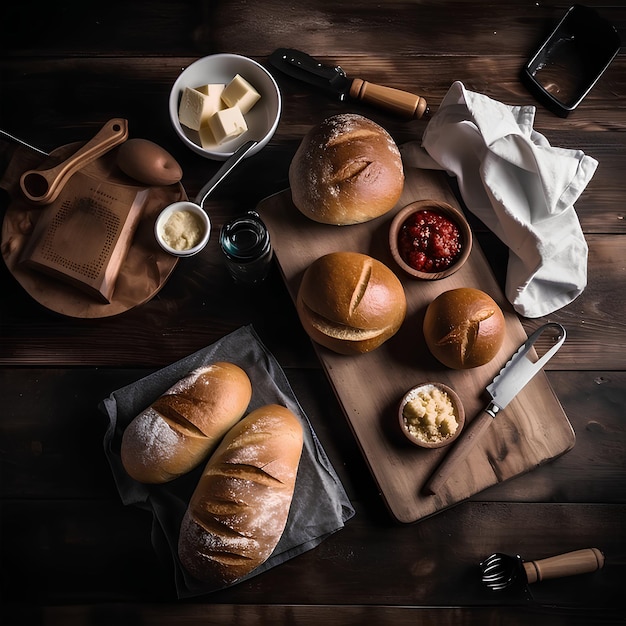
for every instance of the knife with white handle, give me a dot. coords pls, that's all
(513, 377)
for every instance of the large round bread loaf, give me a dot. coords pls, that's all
(350, 302)
(182, 427)
(239, 509)
(347, 170)
(464, 328)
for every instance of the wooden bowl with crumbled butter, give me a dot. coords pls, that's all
(431, 415)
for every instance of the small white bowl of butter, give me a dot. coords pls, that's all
(223, 100)
(182, 229)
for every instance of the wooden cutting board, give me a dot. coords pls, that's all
(531, 431)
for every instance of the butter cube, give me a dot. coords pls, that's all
(197, 107)
(227, 124)
(214, 93)
(207, 140)
(240, 93)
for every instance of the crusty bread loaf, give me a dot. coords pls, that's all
(181, 428)
(239, 509)
(464, 328)
(347, 170)
(350, 302)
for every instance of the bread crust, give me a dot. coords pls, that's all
(464, 328)
(350, 302)
(347, 170)
(181, 428)
(239, 509)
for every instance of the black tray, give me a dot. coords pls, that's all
(571, 60)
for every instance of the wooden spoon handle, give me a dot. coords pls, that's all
(43, 186)
(396, 101)
(568, 564)
(460, 451)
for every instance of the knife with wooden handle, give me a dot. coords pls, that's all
(513, 377)
(333, 80)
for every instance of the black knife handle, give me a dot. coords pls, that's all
(396, 101)
(461, 449)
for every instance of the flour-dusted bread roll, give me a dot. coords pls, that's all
(350, 302)
(239, 509)
(347, 170)
(182, 427)
(464, 328)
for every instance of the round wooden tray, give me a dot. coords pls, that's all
(145, 269)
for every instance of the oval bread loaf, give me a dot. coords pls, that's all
(239, 509)
(347, 170)
(182, 427)
(350, 302)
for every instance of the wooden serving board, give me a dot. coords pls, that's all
(532, 430)
(138, 269)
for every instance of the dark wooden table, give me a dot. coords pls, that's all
(71, 553)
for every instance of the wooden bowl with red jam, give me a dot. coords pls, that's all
(430, 239)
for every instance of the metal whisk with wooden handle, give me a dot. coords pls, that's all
(500, 571)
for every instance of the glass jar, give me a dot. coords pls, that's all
(245, 242)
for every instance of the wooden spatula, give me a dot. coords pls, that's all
(44, 186)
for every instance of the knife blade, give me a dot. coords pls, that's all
(334, 80)
(513, 377)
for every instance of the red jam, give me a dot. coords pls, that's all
(429, 241)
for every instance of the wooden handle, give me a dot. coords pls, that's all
(568, 564)
(44, 186)
(459, 452)
(399, 102)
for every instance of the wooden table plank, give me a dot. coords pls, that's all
(311, 615)
(434, 563)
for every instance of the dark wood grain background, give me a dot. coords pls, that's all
(70, 552)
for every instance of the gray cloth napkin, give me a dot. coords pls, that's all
(521, 187)
(320, 505)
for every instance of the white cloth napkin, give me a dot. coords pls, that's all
(520, 187)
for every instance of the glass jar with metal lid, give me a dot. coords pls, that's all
(245, 242)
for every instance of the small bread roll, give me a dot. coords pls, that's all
(239, 509)
(350, 303)
(464, 328)
(347, 170)
(182, 427)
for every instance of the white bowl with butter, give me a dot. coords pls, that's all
(182, 229)
(223, 100)
(431, 415)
